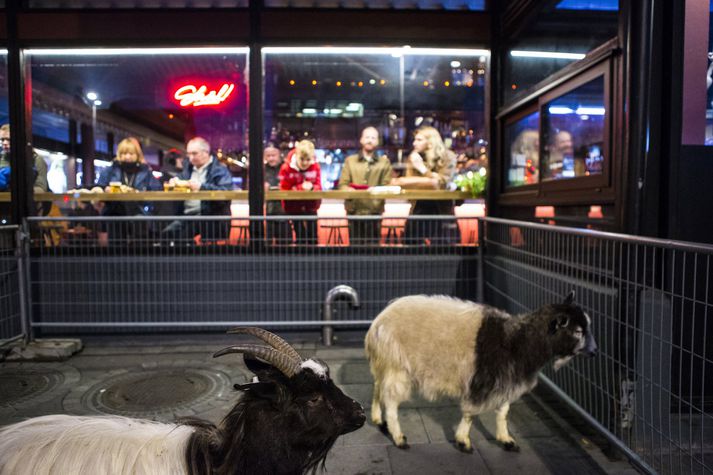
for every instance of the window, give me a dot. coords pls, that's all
(86, 101)
(330, 94)
(137, 3)
(473, 5)
(560, 141)
(562, 33)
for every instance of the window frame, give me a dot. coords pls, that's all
(596, 188)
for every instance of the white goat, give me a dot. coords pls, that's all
(477, 354)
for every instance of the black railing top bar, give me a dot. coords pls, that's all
(665, 243)
(281, 217)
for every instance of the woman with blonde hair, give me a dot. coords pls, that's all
(301, 172)
(430, 166)
(130, 173)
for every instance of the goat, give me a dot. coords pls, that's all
(480, 355)
(283, 423)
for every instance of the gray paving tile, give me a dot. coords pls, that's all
(357, 460)
(432, 459)
(499, 460)
(369, 434)
(350, 372)
(440, 422)
(327, 353)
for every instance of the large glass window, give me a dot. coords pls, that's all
(573, 133)
(381, 4)
(562, 33)
(5, 210)
(330, 94)
(137, 3)
(86, 101)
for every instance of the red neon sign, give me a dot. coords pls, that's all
(190, 95)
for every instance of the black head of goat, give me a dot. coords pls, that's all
(284, 423)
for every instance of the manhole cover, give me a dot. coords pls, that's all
(19, 386)
(151, 393)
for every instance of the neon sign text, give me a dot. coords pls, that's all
(190, 95)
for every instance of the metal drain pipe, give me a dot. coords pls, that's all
(340, 291)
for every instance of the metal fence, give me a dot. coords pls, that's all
(11, 321)
(650, 390)
(125, 274)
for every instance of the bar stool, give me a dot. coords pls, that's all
(393, 234)
(335, 233)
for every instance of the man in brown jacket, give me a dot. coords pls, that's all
(361, 171)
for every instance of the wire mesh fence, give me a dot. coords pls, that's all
(651, 386)
(124, 274)
(10, 315)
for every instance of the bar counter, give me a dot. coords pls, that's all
(243, 195)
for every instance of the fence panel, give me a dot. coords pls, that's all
(11, 327)
(651, 386)
(124, 274)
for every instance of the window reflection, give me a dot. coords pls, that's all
(559, 35)
(573, 133)
(86, 101)
(329, 96)
(523, 140)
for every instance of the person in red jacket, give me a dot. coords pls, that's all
(300, 172)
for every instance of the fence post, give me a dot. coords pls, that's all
(22, 252)
(481, 255)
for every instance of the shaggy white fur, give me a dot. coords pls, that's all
(62, 444)
(316, 367)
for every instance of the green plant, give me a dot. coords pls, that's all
(474, 182)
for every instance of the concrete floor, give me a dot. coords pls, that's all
(548, 443)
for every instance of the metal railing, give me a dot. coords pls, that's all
(650, 389)
(12, 327)
(169, 273)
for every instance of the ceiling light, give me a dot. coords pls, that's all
(546, 55)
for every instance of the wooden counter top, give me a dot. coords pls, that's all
(243, 195)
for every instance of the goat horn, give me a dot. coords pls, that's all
(287, 365)
(270, 338)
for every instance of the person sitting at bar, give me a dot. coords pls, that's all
(431, 166)
(39, 169)
(203, 173)
(301, 172)
(128, 173)
(278, 230)
(361, 171)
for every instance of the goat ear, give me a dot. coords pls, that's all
(263, 390)
(264, 371)
(569, 298)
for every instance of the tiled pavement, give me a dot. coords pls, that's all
(548, 444)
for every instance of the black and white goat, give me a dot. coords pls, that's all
(285, 423)
(480, 355)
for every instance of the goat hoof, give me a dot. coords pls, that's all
(468, 449)
(403, 445)
(511, 447)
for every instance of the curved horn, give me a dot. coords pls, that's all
(287, 365)
(270, 338)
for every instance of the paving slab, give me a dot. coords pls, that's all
(430, 426)
(358, 460)
(438, 458)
